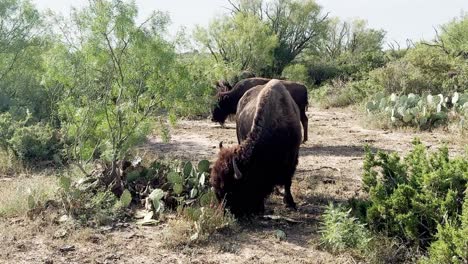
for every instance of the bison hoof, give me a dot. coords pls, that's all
(291, 207)
(290, 204)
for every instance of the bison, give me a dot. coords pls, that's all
(269, 128)
(227, 100)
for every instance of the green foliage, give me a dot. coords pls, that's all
(298, 25)
(340, 93)
(296, 72)
(430, 67)
(340, 231)
(29, 143)
(22, 43)
(19, 20)
(424, 112)
(350, 50)
(410, 198)
(243, 41)
(188, 184)
(451, 245)
(267, 36)
(36, 143)
(454, 37)
(191, 88)
(320, 72)
(114, 75)
(91, 208)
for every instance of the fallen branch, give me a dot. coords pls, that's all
(279, 217)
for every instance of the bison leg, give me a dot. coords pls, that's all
(305, 124)
(288, 199)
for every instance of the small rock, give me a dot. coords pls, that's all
(48, 261)
(67, 248)
(112, 257)
(61, 233)
(105, 228)
(63, 218)
(122, 225)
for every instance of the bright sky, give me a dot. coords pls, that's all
(401, 19)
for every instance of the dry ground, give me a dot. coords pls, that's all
(329, 170)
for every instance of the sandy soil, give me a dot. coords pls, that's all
(329, 170)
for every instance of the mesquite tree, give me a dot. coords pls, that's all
(115, 74)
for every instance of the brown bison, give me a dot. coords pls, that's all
(270, 131)
(227, 100)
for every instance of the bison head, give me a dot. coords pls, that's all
(219, 112)
(230, 185)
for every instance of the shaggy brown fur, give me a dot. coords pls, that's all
(227, 100)
(267, 156)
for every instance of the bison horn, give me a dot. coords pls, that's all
(220, 144)
(237, 172)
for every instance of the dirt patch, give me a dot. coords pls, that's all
(329, 170)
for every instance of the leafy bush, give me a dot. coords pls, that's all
(296, 72)
(410, 198)
(29, 143)
(451, 245)
(340, 231)
(340, 93)
(399, 77)
(424, 112)
(36, 143)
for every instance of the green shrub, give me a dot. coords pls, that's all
(36, 143)
(296, 72)
(6, 130)
(410, 198)
(321, 72)
(451, 245)
(340, 231)
(340, 93)
(29, 143)
(399, 77)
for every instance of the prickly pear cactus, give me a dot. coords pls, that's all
(422, 111)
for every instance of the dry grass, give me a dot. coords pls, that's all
(9, 165)
(177, 233)
(14, 193)
(185, 230)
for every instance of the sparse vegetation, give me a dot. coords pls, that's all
(340, 231)
(80, 93)
(419, 199)
(20, 195)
